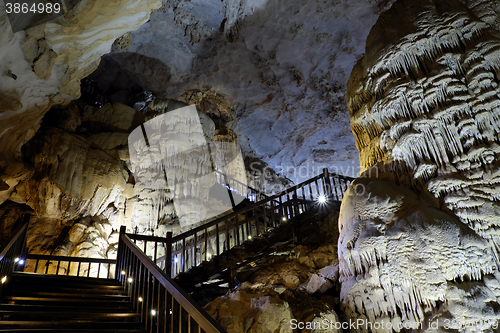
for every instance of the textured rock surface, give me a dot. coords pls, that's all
(420, 243)
(42, 66)
(81, 185)
(299, 283)
(281, 66)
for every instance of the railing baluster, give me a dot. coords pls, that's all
(183, 256)
(156, 251)
(206, 244)
(236, 230)
(317, 188)
(256, 221)
(195, 248)
(273, 221)
(168, 254)
(248, 224)
(227, 235)
(217, 238)
(264, 216)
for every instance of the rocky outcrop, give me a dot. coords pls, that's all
(81, 186)
(289, 294)
(43, 65)
(281, 68)
(419, 233)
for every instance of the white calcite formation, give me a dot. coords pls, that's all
(40, 68)
(420, 232)
(173, 159)
(43, 65)
(81, 190)
(281, 65)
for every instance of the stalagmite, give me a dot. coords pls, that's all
(424, 106)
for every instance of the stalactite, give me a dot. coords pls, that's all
(424, 105)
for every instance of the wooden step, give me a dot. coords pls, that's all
(97, 307)
(116, 290)
(69, 325)
(73, 330)
(61, 301)
(50, 303)
(87, 295)
(6, 315)
(42, 278)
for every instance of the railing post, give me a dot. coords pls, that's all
(262, 184)
(232, 275)
(229, 191)
(168, 255)
(328, 185)
(295, 204)
(119, 253)
(272, 214)
(24, 250)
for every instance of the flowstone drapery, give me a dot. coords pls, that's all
(419, 243)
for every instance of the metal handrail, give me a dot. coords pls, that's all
(12, 249)
(163, 305)
(188, 249)
(257, 194)
(8, 244)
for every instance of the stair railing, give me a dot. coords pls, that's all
(71, 266)
(163, 305)
(176, 254)
(12, 250)
(245, 190)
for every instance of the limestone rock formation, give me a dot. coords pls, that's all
(81, 185)
(295, 290)
(419, 232)
(42, 66)
(282, 66)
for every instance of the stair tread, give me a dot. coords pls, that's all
(68, 324)
(126, 306)
(50, 314)
(48, 277)
(74, 330)
(43, 294)
(71, 286)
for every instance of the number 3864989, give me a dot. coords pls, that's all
(36, 8)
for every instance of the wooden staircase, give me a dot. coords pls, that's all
(143, 297)
(55, 303)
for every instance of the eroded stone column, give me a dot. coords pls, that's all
(420, 231)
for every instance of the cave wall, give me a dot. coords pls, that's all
(41, 68)
(419, 231)
(282, 67)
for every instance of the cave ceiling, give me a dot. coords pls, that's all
(282, 66)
